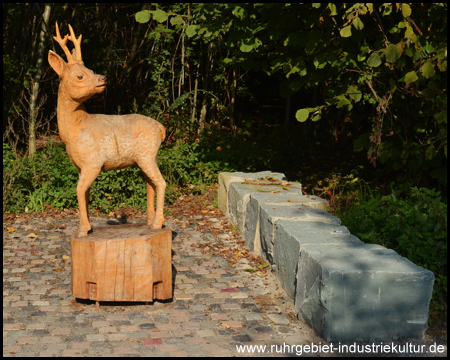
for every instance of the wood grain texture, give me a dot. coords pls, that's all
(129, 262)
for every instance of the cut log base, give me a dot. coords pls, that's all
(129, 262)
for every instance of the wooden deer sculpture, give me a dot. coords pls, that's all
(96, 142)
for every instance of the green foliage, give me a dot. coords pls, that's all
(119, 188)
(48, 176)
(391, 75)
(379, 68)
(414, 224)
(50, 179)
(161, 61)
(184, 164)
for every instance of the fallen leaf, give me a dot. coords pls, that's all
(11, 229)
(250, 270)
(48, 206)
(32, 235)
(65, 257)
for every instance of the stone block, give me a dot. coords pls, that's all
(344, 289)
(226, 178)
(269, 214)
(362, 292)
(290, 236)
(251, 226)
(238, 197)
(263, 209)
(290, 195)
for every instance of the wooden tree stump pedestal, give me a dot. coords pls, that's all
(129, 262)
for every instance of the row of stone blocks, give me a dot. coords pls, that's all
(344, 289)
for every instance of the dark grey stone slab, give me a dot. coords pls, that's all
(290, 236)
(345, 289)
(362, 292)
(269, 214)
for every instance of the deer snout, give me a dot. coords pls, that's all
(102, 80)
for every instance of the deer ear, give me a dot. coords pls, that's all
(57, 63)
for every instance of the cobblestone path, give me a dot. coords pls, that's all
(218, 304)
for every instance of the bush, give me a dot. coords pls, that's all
(49, 179)
(414, 225)
(48, 176)
(184, 163)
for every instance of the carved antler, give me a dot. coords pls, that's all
(75, 56)
(77, 43)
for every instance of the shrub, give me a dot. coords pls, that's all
(414, 225)
(50, 179)
(185, 163)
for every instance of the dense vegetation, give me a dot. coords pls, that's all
(349, 99)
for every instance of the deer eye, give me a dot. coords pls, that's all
(80, 77)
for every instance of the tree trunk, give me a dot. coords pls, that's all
(232, 101)
(202, 117)
(195, 94)
(37, 78)
(205, 88)
(181, 81)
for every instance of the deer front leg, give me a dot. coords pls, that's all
(87, 177)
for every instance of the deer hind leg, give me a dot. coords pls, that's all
(87, 177)
(150, 201)
(155, 182)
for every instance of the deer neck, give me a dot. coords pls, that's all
(71, 114)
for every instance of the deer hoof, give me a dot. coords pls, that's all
(82, 233)
(157, 225)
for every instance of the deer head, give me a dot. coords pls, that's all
(77, 81)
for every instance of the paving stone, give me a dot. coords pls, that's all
(216, 304)
(278, 318)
